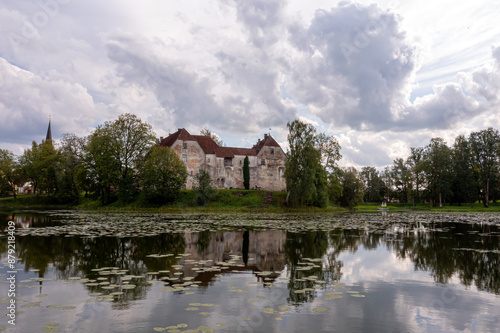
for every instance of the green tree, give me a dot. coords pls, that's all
(464, 184)
(401, 173)
(115, 151)
(415, 163)
(303, 165)
(373, 186)
(163, 175)
(39, 165)
(9, 172)
(334, 187)
(352, 188)
(437, 168)
(484, 147)
(67, 168)
(203, 187)
(246, 173)
(102, 169)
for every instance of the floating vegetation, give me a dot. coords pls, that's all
(31, 305)
(68, 307)
(51, 327)
(319, 309)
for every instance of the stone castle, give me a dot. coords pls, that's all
(225, 164)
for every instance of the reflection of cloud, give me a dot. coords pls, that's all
(365, 265)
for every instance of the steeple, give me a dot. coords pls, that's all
(49, 132)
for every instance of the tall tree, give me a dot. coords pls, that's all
(484, 147)
(302, 163)
(401, 174)
(67, 168)
(437, 168)
(246, 173)
(352, 193)
(464, 184)
(373, 186)
(416, 167)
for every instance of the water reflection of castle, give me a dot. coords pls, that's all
(257, 250)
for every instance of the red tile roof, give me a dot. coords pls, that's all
(210, 147)
(181, 134)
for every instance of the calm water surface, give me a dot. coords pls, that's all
(82, 272)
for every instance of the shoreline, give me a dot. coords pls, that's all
(234, 202)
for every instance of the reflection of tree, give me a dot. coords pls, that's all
(468, 252)
(300, 248)
(77, 256)
(204, 239)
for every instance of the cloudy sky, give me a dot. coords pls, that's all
(380, 76)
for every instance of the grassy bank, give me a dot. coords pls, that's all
(225, 201)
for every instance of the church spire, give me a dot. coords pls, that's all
(49, 132)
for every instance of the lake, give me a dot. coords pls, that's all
(349, 272)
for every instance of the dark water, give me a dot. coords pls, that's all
(80, 272)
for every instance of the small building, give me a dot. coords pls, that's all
(225, 164)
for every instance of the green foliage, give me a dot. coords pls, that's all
(306, 177)
(114, 153)
(437, 170)
(374, 188)
(9, 173)
(485, 147)
(39, 165)
(464, 185)
(246, 173)
(163, 175)
(203, 187)
(352, 193)
(401, 175)
(67, 168)
(320, 196)
(334, 187)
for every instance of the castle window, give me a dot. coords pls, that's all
(184, 158)
(263, 162)
(184, 145)
(240, 162)
(208, 160)
(272, 151)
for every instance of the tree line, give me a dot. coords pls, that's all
(121, 160)
(464, 173)
(118, 161)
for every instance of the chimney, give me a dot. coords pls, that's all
(161, 138)
(265, 136)
(179, 129)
